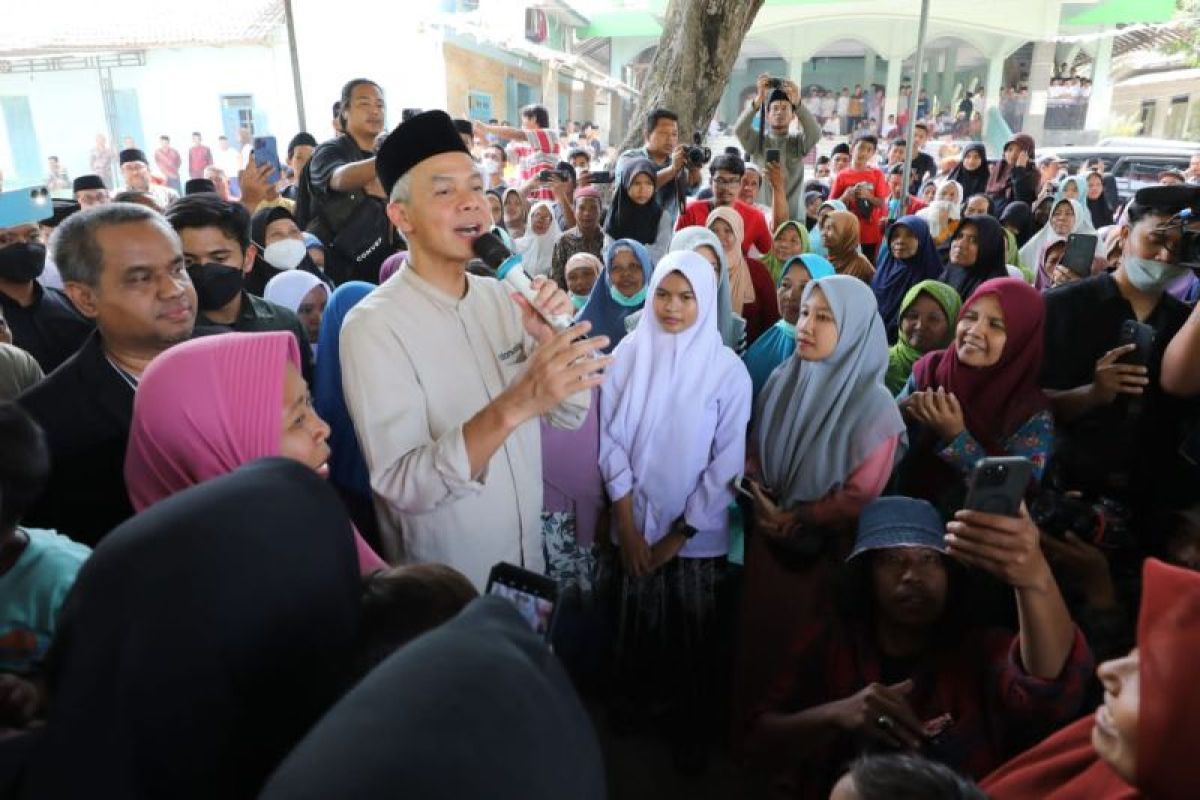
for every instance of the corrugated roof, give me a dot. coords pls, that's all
(87, 26)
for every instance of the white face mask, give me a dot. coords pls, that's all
(285, 254)
(490, 166)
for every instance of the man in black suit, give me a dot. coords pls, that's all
(122, 266)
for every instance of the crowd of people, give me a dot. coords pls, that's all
(261, 449)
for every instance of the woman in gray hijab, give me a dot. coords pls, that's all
(826, 433)
(18, 371)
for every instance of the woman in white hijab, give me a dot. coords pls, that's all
(944, 214)
(541, 234)
(304, 294)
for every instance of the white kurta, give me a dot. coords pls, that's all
(417, 364)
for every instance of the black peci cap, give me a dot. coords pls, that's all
(87, 182)
(425, 135)
(132, 154)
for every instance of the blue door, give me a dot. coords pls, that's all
(26, 157)
(129, 119)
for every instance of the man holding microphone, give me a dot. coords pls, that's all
(445, 374)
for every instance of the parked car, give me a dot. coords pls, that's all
(1132, 166)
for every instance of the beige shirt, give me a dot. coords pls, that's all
(417, 364)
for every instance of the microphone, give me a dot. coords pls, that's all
(491, 250)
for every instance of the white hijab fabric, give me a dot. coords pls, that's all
(1031, 252)
(537, 252)
(288, 289)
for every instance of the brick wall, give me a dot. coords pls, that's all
(471, 72)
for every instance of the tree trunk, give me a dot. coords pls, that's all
(700, 42)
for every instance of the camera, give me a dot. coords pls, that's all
(698, 155)
(1189, 240)
(774, 83)
(549, 175)
(1102, 522)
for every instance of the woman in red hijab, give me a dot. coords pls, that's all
(1129, 749)
(980, 396)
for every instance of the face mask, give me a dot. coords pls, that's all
(216, 284)
(285, 254)
(22, 262)
(579, 300)
(628, 302)
(1151, 276)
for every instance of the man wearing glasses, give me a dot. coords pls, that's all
(726, 171)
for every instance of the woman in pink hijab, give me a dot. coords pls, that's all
(212, 404)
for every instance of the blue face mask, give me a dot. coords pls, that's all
(628, 302)
(578, 300)
(1150, 276)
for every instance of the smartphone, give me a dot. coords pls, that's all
(997, 485)
(534, 595)
(1080, 252)
(600, 177)
(23, 206)
(266, 152)
(548, 175)
(772, 156)
(1141, 336)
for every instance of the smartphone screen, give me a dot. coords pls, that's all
(23, 206)
(535, 596)
(266, 152)
(1080, 252)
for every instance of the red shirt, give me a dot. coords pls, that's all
(756, 231)
(869, 231)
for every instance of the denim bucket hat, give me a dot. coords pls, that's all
(899, 522)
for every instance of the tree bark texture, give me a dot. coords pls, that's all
(699, 45)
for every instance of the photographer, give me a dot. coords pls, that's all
(663, 149)
(782, 99)
(1119, 432)
(900, 666)
(345, 201)
(727, 171)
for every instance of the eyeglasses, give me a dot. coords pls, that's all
(726, 181)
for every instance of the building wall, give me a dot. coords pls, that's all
(468, 71)
(1127, 101)
(178, 91)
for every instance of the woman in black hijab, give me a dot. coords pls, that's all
(478, 708)
(972, 170)
(1018, 218)
(284, 252)
(201, 641)
(636, 213)
(976, 255)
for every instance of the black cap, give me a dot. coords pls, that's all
(464, 126)
(1169, 198)
(62, 210)
(133, 154)
(198, 185)
(85, 182)
(425, 135)
(778, 94)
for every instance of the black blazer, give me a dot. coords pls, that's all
(86, 409)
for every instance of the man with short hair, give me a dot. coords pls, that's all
(537, 146)
(90, 191)
(1049, 170)
(923, 165)
(663, 149)
(1117, 434)
(57, 181)
(123, 269)
(726, 171)
(863, 188)
(199, 157)
(168, 161)
(299, 153)
(839, 159)
(217, 250)
(1171, 177)
(1193, 170)
(101, 158)
(492, 164)
(137, 178)
(446, 375)
(895, 153)
(782, 107)
(586, 237)
(900, 203)
(43, 321)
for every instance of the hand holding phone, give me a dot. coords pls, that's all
(534, 595)
(1079, 253)
(266, 153)
(998, 484)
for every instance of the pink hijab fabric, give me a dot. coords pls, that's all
(205, 408)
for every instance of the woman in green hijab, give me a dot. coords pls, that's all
(927, 316)
(791, 240)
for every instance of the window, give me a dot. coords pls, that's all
(237, 111)
(1147, 117)
(1176, 117)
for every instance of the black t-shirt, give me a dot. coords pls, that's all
(49, 329)
(1115, 450)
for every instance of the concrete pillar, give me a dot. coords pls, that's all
(550, 91)
(1041, 69)
(868, 69)
(891, 96)
(992, 89)
(946, 92)
(795, 70)
(1100, 102)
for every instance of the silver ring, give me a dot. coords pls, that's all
(885, 722)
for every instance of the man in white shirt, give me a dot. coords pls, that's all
(445, 374)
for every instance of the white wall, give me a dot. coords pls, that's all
(178, 91)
